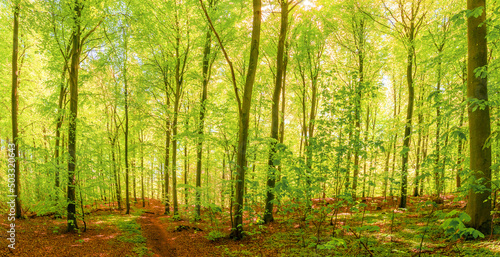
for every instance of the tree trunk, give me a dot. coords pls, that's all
(186, 169)
(115, 174)
(237, 226)
(15, 136)
(419, 144)
(409, 116)
(60, 119)
(438, 168)
(167, 147)
(142, 169)
(271, 175)
(127, 187)
(75, 63)
(174, 145)
(199, 148)
(359, 38)
(479, 205)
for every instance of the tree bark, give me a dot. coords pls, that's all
(75, 64)
(271, 175)
(359, 39)
(15, 106)
(167, 159)
(479, 204)
(409, 116)
(237, 226)
(204, 94)
(127, 171)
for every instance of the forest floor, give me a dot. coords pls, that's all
(374, 227)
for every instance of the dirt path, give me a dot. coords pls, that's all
(157, 238)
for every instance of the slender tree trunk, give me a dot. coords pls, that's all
(237, 226)
(115, 174)
(479, 204)
(142, 170)
(359, 34)
(424, 157)
(365, 161)
(186, 169)
(134, 179)
(438, 168)
(127, 171)
(386, 170)
(60, 119)
(15, 132)
(199, 148)
(445, 153)
(282, 119)
(223, 181)
(419, 144)
(75, 63)
(174, 151)
(271, 175)
(460, 160)
(461, 142)
(409, 116)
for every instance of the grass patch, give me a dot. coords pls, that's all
(132, 233)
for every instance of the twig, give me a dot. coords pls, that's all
(361, 241)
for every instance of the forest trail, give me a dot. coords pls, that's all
(155, 232)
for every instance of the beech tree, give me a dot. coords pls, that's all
(479, 204)
(15, 106)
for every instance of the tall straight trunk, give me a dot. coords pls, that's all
(479, 205)
(60, 119)
(445, 153)
(303, 135)
(186, 169)
(199, 147)
(15, 106)
(348, 169)
(151, 181)
(409, 116)
(283, 87)
(127, 171)
(75, 64)
(419, 146)
(116, 176)
(179, 75)
(460, 159)
(438, 168)
(223, 181)
(282, 113)
(359, 34)
(373, 164)
(142, 170)
(386, 170)
(271, 175)
(167, 153)
(365, 161)
(167, 164)
(174, 149)
(134, 179)
(424, 157)
(237, 226)
(396, 112)
(312, 117)
(461, 142)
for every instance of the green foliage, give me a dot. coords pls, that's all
(454, 227)
(215, 235)
(333, 244)
(142, 250)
